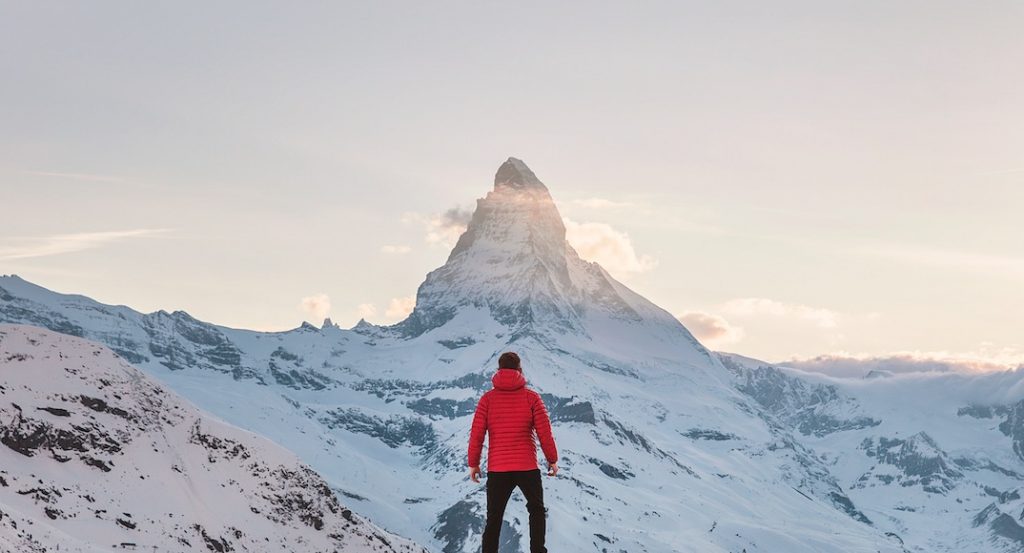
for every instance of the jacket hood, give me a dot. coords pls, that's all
(508, 380)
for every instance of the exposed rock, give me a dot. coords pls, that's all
(917, 460)
(151, 458)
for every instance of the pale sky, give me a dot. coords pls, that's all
(793, 179)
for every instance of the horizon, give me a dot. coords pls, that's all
(789, 187)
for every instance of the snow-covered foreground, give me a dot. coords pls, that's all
(665, 445)
(99, 457)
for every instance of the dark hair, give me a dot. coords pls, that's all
(509, 360)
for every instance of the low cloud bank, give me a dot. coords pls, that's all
(915, 379)
(856, 366)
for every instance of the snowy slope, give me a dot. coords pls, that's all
(662, 448)
(98, 457)
(935, 457)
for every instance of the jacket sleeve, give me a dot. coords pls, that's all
(478, 431)
(542, 424)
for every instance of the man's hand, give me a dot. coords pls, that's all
(552, 469)
(474, 474)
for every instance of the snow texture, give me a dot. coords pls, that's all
(99, 457)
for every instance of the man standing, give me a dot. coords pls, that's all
(510, 413)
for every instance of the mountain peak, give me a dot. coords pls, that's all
(514, 262)
(515, 174)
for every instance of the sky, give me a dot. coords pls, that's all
(794, 180)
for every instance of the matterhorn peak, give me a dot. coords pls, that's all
(515, 174)
(517, 217)
(514, 263)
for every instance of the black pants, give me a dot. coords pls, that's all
(499, 488)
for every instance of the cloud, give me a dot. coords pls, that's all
(751, 307)
(601, 203)
(75, 176)
(1005, 265)
(317, 306)
(400, 308)
(398, 250)
(366, 310)
(609, 247)
(1001, 172)
(442, 229)
(712, 330)
(929, 377)
(67, 243)
(845, 364)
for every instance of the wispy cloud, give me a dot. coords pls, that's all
(76, 176)
(601, 203)
(749, 307)
(1006, 265)
(1001, 172)
(442, 229)
(397, 250)
(45, 246)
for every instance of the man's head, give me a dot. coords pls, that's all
(509, 360)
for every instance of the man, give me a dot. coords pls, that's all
(510, 413)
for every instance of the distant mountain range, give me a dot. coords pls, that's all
(666, 445)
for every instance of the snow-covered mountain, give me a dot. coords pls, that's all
(99, 457)
(665, 445)
(513, 266)
(935, 458)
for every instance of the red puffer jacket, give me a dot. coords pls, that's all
(511, 413)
